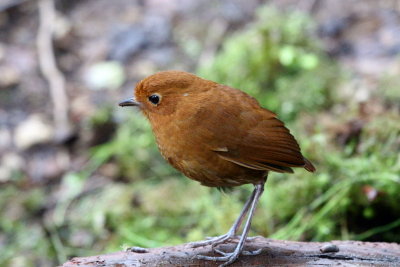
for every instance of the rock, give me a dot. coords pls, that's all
(34, 130)
(158, 30)
(62, 26)
(10, 76)
(127, 42)
(10, 163)
(105, 75)
(153, 32)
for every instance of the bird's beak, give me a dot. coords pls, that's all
(129, 102)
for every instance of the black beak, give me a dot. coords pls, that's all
(129, 102)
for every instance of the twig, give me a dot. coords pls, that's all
(49, 68)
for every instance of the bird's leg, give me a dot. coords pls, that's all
(230, 257)
(216, 240)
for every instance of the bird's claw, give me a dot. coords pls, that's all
(217, 240)
(213, 241)
(244, 252)
(228, 257)
(220, 241)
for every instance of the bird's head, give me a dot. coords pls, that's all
(160, 93)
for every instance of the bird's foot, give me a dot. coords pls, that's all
(217, 240)
(214, 241)
(229, 257)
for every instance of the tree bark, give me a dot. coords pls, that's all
(274, 253)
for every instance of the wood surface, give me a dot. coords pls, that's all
(274, 253)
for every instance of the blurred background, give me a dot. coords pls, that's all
(80, 176)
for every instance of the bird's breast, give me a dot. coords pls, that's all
(187, 147)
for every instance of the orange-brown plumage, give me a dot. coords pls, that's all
(218, 136)
(215, 134)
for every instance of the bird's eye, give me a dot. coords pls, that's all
(155, 99)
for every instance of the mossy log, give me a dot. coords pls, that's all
(274, 253)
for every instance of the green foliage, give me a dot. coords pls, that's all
(279, 62)
(23, 241)
(134, 149)
(333, 203)
(390, 89)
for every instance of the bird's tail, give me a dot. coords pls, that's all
(308, 165)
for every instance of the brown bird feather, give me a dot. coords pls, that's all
(215, 134)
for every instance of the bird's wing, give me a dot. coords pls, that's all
(242, 132)
(268, 145)
(254, 138)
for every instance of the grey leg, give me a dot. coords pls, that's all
(230, 257)
(215, 241)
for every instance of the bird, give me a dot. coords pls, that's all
(220, 137)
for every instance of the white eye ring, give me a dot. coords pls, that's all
(155, 99)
